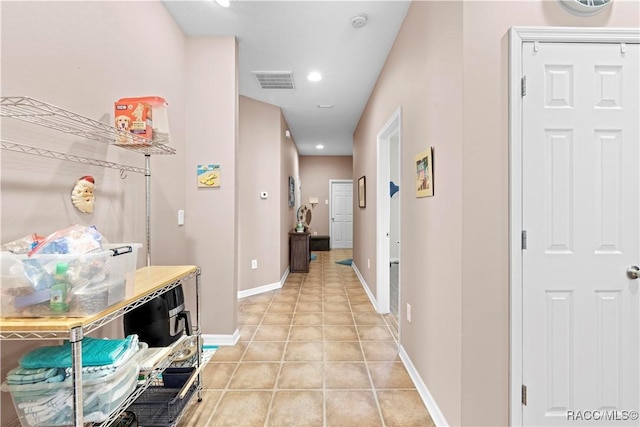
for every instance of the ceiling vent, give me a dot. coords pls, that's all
(274, 79)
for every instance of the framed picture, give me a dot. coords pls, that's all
(424, 173)
(208, 176)
(292, 192)
(362, 192)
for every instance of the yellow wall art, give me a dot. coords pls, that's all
(208, 176)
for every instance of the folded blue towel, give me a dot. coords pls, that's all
(95, 352)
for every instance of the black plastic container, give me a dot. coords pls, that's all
(161, 321)
(176, 377)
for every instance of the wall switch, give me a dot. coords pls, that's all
(368, 262)
(254, 264)
(326, 202)
(181, 217)
(408, 312)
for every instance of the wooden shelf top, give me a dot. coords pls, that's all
(147, 281)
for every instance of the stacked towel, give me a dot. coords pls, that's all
(50, 404)
(19, 376)
(95, 352)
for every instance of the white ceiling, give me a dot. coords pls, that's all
(302, 36)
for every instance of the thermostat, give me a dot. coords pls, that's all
(264, 195)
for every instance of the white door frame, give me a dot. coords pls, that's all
(331, 182)
(518, 35)
(383, 207)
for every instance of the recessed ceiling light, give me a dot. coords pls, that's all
(319, 146)
(314, 76)
(223, 3)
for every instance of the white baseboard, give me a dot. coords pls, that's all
(259, 290)
(436, 414)
(284, 276)
(221, 340)
(365, 286)
(264, 288)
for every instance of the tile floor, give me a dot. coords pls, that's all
(314, 353)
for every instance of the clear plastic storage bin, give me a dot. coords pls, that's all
(51, 404)
(96, 281)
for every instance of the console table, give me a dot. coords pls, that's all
(299, 252)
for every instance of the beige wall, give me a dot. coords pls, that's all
(269, 157)
(212, 213)
(67, 53)
(485, 303)
(261, 131)
(290, 167)
(448, 70)
(423, 75)
(315, 173)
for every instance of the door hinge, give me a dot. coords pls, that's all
(524, 239)
(524, 395)
(523, 86)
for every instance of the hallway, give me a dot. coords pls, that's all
(314, 353)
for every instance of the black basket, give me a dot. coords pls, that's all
(160, 406)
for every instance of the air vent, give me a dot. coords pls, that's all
(274, 79)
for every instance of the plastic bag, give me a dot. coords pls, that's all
(75, 239)
(23, 245)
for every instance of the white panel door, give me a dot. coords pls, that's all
(581, 215)
(342, 214)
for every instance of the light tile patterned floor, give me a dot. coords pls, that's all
(314, 353)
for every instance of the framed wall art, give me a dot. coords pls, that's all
(292, 192)
(208, 176)
(424, 173)
(362, 192)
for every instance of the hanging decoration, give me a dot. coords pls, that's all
(82, 194)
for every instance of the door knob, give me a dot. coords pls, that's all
(633, 272)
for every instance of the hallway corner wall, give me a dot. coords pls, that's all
(211, 213)
(290, 166)
(259, 160)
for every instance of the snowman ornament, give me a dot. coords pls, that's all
(82, 194)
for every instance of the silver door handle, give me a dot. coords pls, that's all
(633, 272)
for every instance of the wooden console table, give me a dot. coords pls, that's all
(299, 252)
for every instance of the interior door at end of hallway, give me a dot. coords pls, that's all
(342, 214)
(581, 210)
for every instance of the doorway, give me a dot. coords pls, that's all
(575, 230)
(341, 215)
(388, 214)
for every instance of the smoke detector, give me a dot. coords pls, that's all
(359, 20)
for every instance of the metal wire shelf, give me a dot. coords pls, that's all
(43, 114)
(27, 149)
(148, 382)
